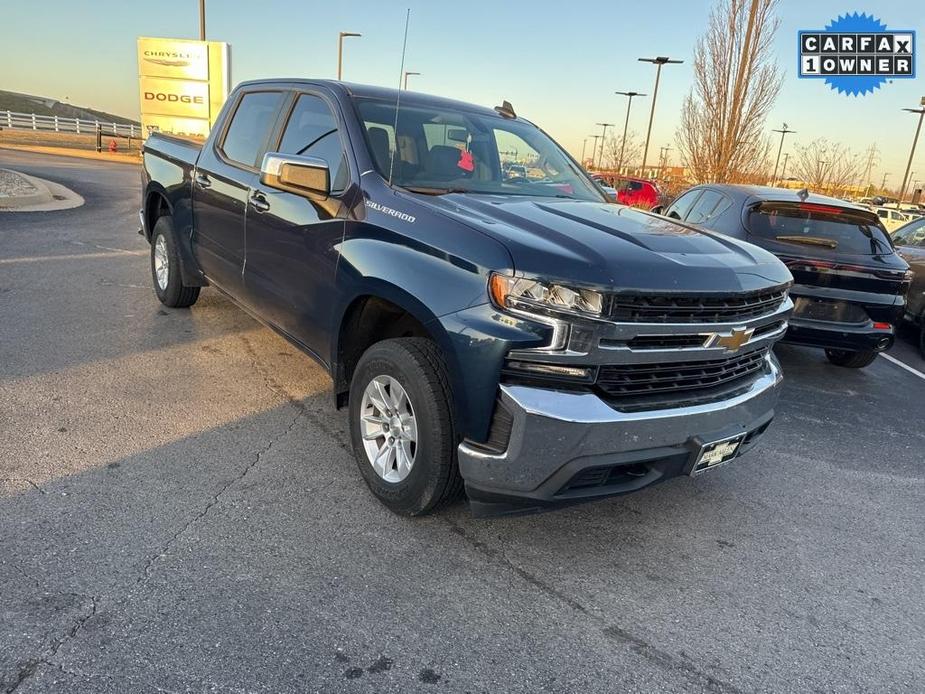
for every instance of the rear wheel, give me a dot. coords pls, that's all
(165, 268)
(401, 426)
(849, 359)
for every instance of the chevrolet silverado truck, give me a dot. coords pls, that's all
(515, 335)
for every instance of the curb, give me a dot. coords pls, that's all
(76, 153)
(51, 197)
(41, 196)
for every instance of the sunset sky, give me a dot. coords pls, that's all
(558, 63)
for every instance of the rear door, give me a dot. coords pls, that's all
(292, 241)
(224, 177)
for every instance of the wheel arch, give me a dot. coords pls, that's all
(381, 312)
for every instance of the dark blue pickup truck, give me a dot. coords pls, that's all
(488, 318)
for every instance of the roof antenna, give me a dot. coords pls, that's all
(506, 110)
(404, 46)
(803, 193)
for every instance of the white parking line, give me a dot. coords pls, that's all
(904, 366)
(69, 256)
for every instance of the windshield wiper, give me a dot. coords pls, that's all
(809, 240)
(432, 190)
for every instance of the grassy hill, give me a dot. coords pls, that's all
(43, 106)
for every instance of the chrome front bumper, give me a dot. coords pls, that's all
(557, 435)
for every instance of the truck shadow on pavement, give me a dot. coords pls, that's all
(208, 528)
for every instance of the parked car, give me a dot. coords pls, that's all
(608, 189)
(910, 244)
(849, 284)
(637, 192)
(890, 217)
(520, 337)
(516, 171)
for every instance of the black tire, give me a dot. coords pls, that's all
(849, 359)
(922, 338)
(434, 480)
(174, 293)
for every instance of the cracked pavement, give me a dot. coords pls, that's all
(180, 512)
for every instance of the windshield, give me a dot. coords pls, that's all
(442, 150)
(844, 230)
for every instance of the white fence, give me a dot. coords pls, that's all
(30, 121)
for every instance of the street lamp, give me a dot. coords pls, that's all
(594, 148)
(604, 126)
(584, 144)
(202, 20)
(408, 72)
(783, 172)
(340, 50)
(658, 62)
(629, 102)
(783, 131)
(915, 140)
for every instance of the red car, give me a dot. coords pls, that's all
(637, 192)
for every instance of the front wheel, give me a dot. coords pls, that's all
(401, 426)
(849, 359)
(165, 268)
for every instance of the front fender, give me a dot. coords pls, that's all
(448, 295)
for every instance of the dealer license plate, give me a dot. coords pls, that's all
(717, 453)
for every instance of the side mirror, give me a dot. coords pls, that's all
(308, 176)
(658, 209)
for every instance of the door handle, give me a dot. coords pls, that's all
(202, 180)
(259, 201)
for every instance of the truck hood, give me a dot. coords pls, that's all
(613, 247)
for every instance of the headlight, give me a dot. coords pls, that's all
(527, 294)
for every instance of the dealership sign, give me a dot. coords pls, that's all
(182, 84)
(856, 54)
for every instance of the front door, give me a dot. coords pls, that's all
(292, 241)
(222, 181)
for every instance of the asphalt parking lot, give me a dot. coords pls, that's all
(179, 511)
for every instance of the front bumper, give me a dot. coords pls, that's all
(568, 447)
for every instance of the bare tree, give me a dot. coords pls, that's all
(631, 152)
(736, 81)
(827, 167)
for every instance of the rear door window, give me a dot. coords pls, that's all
(250, 125)
(844, 230)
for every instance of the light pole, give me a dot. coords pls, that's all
(604, 127)
(783, 171)
(594, 148)
(340, 50)
(202, 20)
(629, 102)
(663, 159)
(408, 72)
(821, 164)
(915, 140)
(658, 62)
(584, 144)
(783, 132)
(883, 181)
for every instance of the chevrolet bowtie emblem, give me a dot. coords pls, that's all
(732, 341)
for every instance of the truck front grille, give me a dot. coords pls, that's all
(653, 385)
(694, 309)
